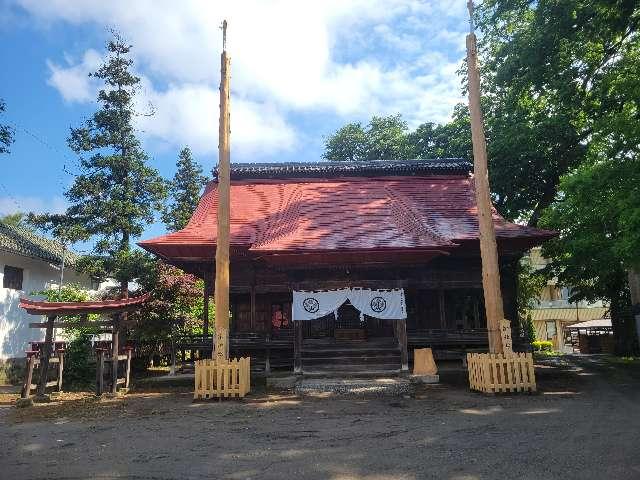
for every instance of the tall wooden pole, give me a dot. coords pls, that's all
(221, 347)
(488, 248)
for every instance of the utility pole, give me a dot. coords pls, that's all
(221, 342)
(488, 248)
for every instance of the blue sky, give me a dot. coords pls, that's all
(300, 69)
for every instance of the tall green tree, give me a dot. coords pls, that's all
(548, 70)
(184, 190)
(116, 193)
(598, 219)
(6, 132)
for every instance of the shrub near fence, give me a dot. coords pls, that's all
(497, 372)
(220, 378)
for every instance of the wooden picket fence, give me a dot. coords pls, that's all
(498, 372)
(222, 378)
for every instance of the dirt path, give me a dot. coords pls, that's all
(584, 424)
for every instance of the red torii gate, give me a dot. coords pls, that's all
(52, 310)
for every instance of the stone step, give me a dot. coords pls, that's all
(352, 373)
(360, 360)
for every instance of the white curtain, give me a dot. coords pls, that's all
(385, 304)
(311, 305)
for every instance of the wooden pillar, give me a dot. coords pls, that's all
(127, 375)
(222, 242)
(402, 341)
(252, 315)
(115, 347)
(267, 360)
(441, 309)
(297, 347)
(26, 389)
(99, 371)
(60, 369)
(45, 354)
(488, 247)
(205, 310)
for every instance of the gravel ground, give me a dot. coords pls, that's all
(585, 423)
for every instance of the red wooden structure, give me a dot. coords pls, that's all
(379, 224)
(52, 310)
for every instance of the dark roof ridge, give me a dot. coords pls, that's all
(27, 243)
(328, 169)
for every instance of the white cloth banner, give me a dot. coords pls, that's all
(385, 304)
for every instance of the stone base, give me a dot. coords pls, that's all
(41, 398)
(425, 379)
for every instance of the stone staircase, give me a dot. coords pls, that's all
(350, 359)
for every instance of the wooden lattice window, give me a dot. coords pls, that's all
(12, 277)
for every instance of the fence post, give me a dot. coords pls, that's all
(26, 389)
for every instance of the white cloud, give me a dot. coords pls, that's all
(288, 57)
(73, 81)
(26, 204)
(187, 114)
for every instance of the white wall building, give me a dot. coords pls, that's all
(28, 263)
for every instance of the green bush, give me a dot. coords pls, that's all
(542, 345)
(79, 364)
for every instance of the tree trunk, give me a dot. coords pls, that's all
(633, 277)
(624, 332)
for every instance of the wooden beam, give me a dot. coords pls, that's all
(115, 347)
(205, 310)
(47, 349)
(100, 373)
(402, 340)
(26, 388)
(488, 248)
(297, 347)
(67, 324)
(222, 240)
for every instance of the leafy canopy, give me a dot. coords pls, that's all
(389, 138)
(6, 132)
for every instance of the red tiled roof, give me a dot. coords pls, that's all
(303, 215)
(34, 307)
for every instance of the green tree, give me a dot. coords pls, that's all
(385, 138)
(6, 132)
(551, 70)
(448, 140)
(14, 219)
(116, 193)
(184, 190)
(598, 218)
(347, 143)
